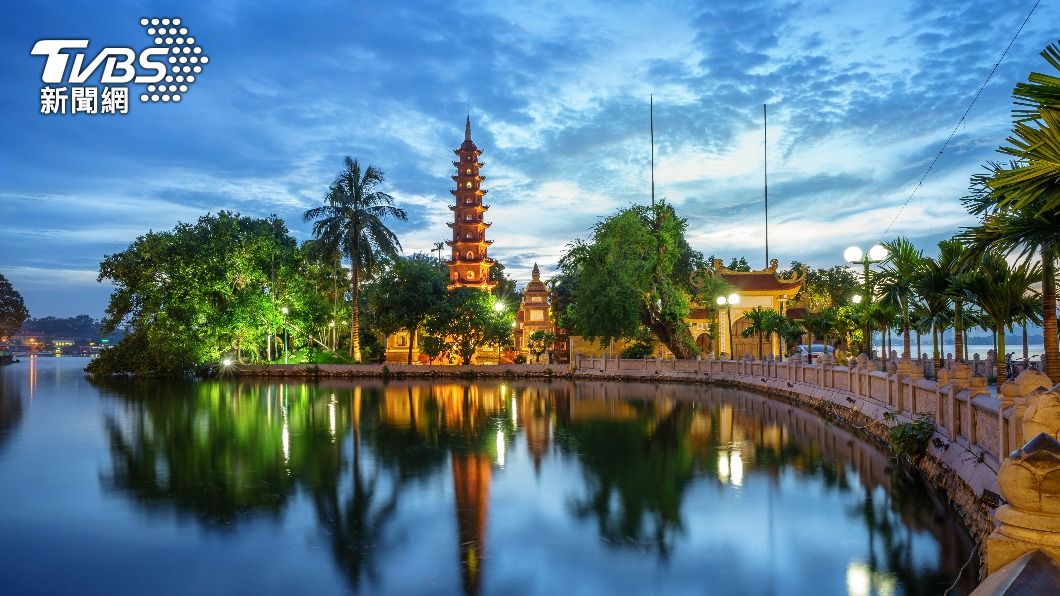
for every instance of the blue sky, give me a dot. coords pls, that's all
(861, 97)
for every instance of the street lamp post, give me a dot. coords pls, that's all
(727, 302)
(854, 255)
(284, 310)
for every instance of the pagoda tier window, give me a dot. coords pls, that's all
(470, 255)
(467, 185)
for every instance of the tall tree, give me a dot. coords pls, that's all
(635, 271)
(351, 220)
(760, 320)
(898, 279)
(405, 295)
(1001, 291)
(468, 320)
(12, 309)
(1020, 203)
(200, 291)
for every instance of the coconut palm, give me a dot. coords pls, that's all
(819, 325)
(1020, 204)
(898, 279)
(1001, 291)
(760, 320)
(351, 220)
(1041, 90)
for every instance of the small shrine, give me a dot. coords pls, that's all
(765, 288)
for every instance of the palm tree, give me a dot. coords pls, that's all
(939, 283)
(1001, 291)
(351, 221)
(760, 320)
(898, 279)
(1020, 204)
(819, 325)
(438, 249)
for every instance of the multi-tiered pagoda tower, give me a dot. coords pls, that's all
(469, 266)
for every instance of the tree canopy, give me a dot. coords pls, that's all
(634, 271)
(201, 290)
(12, 309)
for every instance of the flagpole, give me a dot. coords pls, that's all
(765, 173)
(651, 121)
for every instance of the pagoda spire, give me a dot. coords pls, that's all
(536, 273)
(469, 265)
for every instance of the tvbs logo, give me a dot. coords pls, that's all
(167, 69)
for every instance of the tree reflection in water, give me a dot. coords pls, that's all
(10, 408)
(224, 453)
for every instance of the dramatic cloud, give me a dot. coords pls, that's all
(861, 97)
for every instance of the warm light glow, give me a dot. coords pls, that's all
(286, 440)
(734, 298)
(331, 324)
(331, 415)
(736, 468)
(500, 448)
(515, 413)
(723, 467)
(856, 299)
(857, 579)
(853, 254)
(227, 362)
(878, 253)
(721, 301)
(284, 309)
(498, 306)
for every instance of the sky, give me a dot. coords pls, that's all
(861, 97)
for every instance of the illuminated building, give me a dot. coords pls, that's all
(469, 266)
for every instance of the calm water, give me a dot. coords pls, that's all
(417, 488)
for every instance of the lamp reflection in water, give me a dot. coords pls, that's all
(730, 466)
(500, 448)
(863, 581)
(286, 433)
(331, 416)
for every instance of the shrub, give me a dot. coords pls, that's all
(911, 438)
(520, 359)
(636, 351)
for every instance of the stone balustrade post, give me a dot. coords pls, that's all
(1029, 478)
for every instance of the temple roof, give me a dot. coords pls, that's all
(536, 286)
(765, 280)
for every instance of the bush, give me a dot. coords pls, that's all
(520, 359)
(137, 355)
(911, 438)
(636, 351)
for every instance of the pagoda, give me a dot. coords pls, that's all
(469, 266)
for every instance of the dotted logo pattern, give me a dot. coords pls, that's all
(185, 60)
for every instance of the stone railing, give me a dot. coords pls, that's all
(1004, 450)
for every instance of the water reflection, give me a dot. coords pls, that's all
(230, 454)
(10, 408)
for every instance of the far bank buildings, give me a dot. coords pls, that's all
(469, 266)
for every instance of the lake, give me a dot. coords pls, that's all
(488, 487)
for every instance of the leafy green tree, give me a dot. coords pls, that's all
(1002, 292)
(506, 286)
(404, 295)
(200, 291)
(635, 271)
(12, 309)
(898, 279)
(351, 221)
(433, 347)
(540, 342)
(468, 321)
